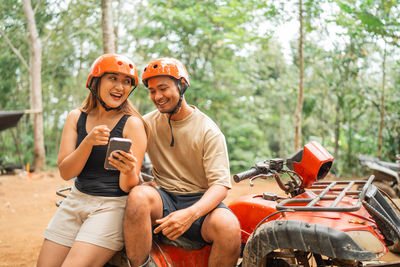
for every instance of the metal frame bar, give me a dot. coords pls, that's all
(59, 191)
(328, 187)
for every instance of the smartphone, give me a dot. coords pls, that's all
(116, 143)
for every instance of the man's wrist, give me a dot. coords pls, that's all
(195, 212)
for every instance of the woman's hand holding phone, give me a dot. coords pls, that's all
(120, 156)
(123, 161)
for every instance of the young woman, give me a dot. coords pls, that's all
(87, 228)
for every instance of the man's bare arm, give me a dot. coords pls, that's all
(176, 223)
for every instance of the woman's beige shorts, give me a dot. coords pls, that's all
(92, 219)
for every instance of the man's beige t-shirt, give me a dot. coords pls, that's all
(198, 159)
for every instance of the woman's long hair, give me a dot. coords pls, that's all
(126, 108)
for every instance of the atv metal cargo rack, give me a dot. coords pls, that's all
(333, 191)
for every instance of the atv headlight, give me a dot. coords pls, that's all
(367, 241)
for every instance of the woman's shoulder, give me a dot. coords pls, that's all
(135, 126)
(73, 115)
(134, 122)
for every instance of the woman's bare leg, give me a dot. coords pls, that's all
(52, 254)
(84, 254)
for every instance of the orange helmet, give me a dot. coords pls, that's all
(166, 66)
(113, 63)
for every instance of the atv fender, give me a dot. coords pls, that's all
(302, 236)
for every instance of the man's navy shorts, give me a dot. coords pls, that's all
(174, 202)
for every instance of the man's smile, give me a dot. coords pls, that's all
(162, 102)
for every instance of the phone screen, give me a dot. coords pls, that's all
(116, 143)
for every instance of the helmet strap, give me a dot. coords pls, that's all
(170, 128)
(181, 90)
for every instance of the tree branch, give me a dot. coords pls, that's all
(15, 50)
(36, 7)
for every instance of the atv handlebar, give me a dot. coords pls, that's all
(246, 174)
(271, 168)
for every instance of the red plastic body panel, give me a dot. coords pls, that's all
(250, 210)
(253, 208)
(179, 257)
(314, 156)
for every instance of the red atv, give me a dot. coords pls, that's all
(320, 223)
(326, 223)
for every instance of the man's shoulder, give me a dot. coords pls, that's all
(151, 115)
(208, 123)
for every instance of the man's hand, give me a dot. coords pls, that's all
(175, 224)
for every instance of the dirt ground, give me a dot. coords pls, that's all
(27, 203)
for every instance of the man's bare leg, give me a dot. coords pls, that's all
(144, 206)
(222, 229)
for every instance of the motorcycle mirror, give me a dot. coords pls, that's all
(311, 163)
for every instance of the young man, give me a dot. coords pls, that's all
(191, 168)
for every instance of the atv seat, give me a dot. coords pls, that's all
(181, 242)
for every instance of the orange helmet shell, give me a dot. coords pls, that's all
(165, 66)
(113, 63)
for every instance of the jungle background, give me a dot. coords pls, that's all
(272, 74)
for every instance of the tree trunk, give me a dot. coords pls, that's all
(349, 156)
(382, 111)
(107, 26)
(337, 130)
(299, 107)
(281, 130)
(35, 86)
(398, 148)
(281, 114)
(116, 28)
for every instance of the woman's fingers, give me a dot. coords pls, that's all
(123, 161)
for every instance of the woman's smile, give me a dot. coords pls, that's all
(116, 96)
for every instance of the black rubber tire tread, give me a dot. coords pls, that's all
(301, 236)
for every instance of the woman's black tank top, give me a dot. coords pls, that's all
(94, 179)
